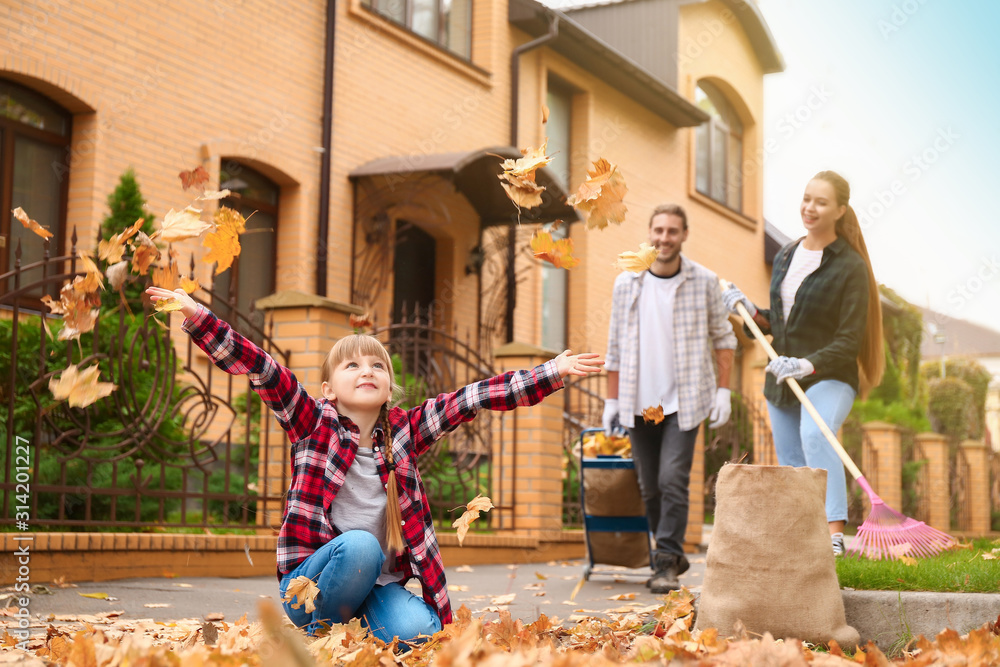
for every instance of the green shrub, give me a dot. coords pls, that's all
(951, 409)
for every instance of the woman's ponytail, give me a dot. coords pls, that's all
(393, 514)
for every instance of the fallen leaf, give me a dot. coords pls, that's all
(654, 415)
(181, 225)
(503, 599)
(96, 596)
(464, 568)
(33, 225)
(224, 242)
(639, 261)
(576, 589)
(558, 253)
(184, 585)
(82, 388)
(302, 590)
(60, 582)
(989, 556)
(157, 605)
(601, 196)
(623, 596)
(194, 178)
(539, 575)
(478, 504)
(456, 588)
(217, 616)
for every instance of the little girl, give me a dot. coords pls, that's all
(357, 520)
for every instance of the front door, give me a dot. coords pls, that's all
(413, 274)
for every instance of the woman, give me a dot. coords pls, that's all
(826, 322)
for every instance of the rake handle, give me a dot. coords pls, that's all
(797, 390)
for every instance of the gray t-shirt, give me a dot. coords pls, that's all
(360, 505)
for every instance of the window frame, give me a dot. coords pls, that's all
(407, 24)
(710, 129)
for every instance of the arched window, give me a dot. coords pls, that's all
(252, 275)
(719, 146)
(34, 138)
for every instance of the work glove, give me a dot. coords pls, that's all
(783, 368)
(609, 420)
(721, 409)
(732, 296)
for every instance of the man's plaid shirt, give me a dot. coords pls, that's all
(701, 325)
(827, 322)
(325, 444)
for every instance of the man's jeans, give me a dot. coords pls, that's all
(345, 570)
(663, 455)
(799, 442)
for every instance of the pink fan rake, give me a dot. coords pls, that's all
(886, 533)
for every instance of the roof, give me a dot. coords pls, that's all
(774, 240)
(961, 337)
(750, 18)
(474, 174)
(606, 63)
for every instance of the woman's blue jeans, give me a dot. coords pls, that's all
(345, 570)
(799, 442)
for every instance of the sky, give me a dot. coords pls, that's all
(901, 97)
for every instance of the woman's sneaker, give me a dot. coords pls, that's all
(838, 544)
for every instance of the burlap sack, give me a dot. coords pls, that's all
(615, 492)
(769, 562)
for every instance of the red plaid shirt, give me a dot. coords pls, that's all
(324, 446)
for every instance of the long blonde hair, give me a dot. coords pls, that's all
(871, 357)
(363, 345)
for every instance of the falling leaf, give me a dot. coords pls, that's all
(532, 159)
(545, 114)
(639, 261)
(224, 242)
(576, 589)
(113, 249)
(167, 277)
(654, 415)
(82, 388)
(558, 253)
(601, 195)
(167, 305)
(189, 285)
(116, 274)
(91, 281)
(23, 218)
(144, 253)
(76, 308)
(360, 322)
(96, 596)
(302, 590)
(478, 504)
(194, 178)
(213, 195)
(180, 225)
(518, 177)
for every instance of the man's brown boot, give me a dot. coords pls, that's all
(668, 568)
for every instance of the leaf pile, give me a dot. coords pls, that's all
(664, 635)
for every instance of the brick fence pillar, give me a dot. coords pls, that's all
(696, 496)
(307, 326)
(528, 460)
(978, 492)
(887, 478)
(934, 480)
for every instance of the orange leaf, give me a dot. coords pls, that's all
(167, 276)
(303, 591)
(80, 387)
(524, 192)
(144, 253)
(113, 249)
(224, 242)
(478, 504)
(558, 253)
(600, 196)
(654, 415)
(637, 262)
(194, 178)
(518, 177)
(92, 281)
(33, 225)
(545, 114)
(180, 225)
(189, 285)
(75, 307)
(361, 321)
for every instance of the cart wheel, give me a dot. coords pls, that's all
(586, 573)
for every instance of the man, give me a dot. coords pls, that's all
(665, 324)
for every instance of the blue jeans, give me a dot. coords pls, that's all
(345, 570)
(663, 455)
(799, 442)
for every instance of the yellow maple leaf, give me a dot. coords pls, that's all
(478, 504)
(75, 307)
(189, 285)
(558, 253)
(167, 305)
(224, 242)
(653, 415)
(518, 176)
(637, 261)
(532, 159)
(601, 196)
(167, 277)
(144, 253)
(91, 282)
(180, 225)
(302, 591)
(33, 225)
(113, 249)
(82, 388)
(524, 192)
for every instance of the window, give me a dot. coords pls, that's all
(554, 282)
(252, 275)
(447, 23)
(719, 147)
(34, 138)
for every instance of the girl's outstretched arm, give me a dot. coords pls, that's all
(297, 412)
(438, 416)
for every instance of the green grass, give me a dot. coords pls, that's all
(958, 570)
